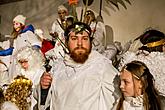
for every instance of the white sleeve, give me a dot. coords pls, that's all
(54, 26)
(32, 39)
(109, 90)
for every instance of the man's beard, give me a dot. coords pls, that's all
(80, 57)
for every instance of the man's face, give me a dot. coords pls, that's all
(17, 26)
(62, 14)
(79, 46)
(24, 64)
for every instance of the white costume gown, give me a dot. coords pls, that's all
(88, 86)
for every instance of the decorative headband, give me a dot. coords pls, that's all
(79, 28)
(157, 43)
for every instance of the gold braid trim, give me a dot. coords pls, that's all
(157, 43)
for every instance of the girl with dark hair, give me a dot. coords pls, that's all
(137, 87)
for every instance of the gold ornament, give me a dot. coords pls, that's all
(19, 92)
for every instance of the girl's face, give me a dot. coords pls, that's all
(130, 86)
(62, 14)
(17, 26)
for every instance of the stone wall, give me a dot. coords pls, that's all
(124, 24)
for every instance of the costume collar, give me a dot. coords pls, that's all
(69, 61)
(28, 28)
(135, 101)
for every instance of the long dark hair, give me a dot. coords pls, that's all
(151, 98)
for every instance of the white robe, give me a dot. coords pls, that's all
(88, 86)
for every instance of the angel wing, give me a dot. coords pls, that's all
(113, 5)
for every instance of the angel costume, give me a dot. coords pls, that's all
(88, 86)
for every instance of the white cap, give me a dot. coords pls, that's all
(20, 19)
(39, 32)
(61, 7)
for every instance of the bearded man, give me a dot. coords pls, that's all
(83, 80)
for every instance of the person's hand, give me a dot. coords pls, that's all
(54, 34)
(46, 80)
